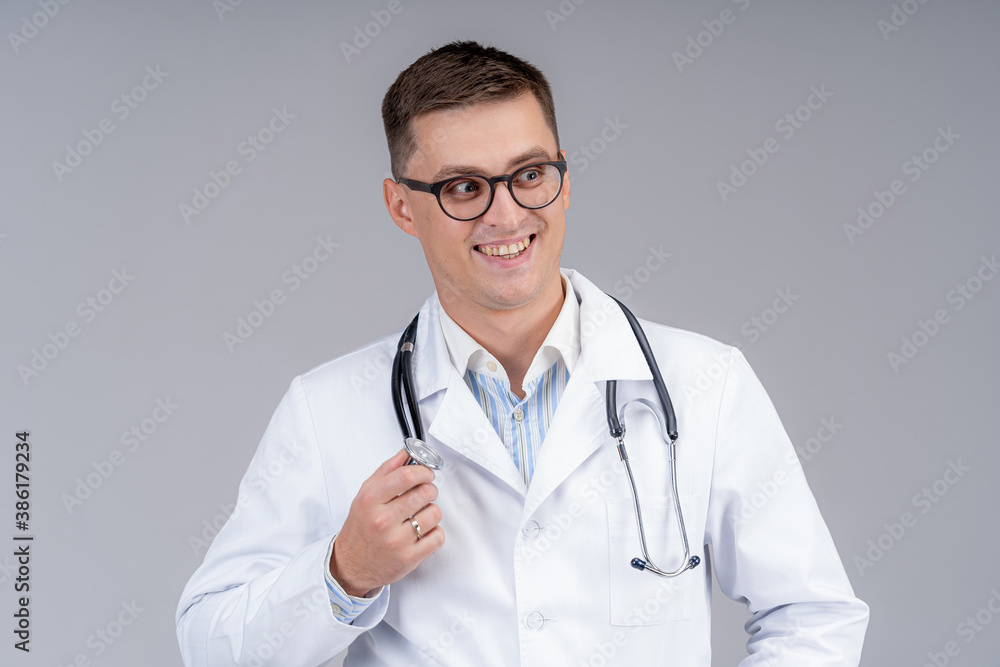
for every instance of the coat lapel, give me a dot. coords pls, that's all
(457, 419)
(461, 424)
(608, 351)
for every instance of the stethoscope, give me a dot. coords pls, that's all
(421, 453)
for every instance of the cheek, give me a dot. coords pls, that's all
(441, 244)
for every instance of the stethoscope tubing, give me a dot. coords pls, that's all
(402, 374)
(617, 431)
(423, 454)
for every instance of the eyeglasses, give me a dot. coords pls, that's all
(468, 197)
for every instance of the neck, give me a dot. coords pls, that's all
(513, 336)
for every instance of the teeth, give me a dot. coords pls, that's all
(505, 251)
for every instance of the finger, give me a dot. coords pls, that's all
(397, 460)
(414, 500)
(428, 544)
(389, 480)
(428, 518)
(401, 480)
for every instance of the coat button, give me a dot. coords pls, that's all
(534, 620)
(531, 530)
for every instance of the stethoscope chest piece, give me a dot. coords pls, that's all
(422, 454)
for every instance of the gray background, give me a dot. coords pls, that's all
(654, 185)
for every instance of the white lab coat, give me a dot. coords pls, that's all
(541, 577)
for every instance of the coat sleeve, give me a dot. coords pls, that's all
(260, 597)
(772, 548)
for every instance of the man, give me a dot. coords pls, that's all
(345, 546)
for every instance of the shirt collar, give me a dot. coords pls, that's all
(563, 340)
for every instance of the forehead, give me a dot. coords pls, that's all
(486, 136)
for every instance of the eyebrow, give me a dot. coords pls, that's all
(536, 153)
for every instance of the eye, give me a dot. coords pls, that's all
(462, 187)
(529, 175)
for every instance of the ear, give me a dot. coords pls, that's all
(398, 206)
(564, 195)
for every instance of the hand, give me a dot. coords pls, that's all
(377, 545)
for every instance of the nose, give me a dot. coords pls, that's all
(503, 210)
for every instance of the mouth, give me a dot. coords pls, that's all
(506, 251)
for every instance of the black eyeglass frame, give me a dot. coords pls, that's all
(435, 188)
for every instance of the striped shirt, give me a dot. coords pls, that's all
(520, 423)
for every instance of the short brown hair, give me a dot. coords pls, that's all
(458, 74)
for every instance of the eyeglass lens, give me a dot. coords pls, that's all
(534, 186)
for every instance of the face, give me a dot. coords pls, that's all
(488, 139)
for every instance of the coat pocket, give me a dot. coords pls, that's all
(644, 598)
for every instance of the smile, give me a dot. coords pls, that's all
(509, 251)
